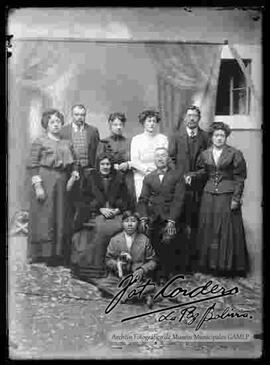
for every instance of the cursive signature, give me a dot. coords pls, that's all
(131, 287)
(191, 315)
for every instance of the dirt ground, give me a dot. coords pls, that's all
(52, 315)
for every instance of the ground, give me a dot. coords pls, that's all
(52, 315)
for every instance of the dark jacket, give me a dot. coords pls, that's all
(164, 199)
(179, 148)
(92, 140)
(142, 253)
(117, 146)
(96, 197)
(229, 174)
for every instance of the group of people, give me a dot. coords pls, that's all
(121, 205)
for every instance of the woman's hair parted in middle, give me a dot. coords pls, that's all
(117, 115)
(219, 126)
(149, 113)
(47, 115)
(103, 156)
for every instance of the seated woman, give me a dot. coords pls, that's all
(119, 147)
(105, 198)
(221, 243)
(51, 164)
(128, 252)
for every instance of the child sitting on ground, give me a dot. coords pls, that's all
(128, 252)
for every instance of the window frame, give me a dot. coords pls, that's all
(254, 119)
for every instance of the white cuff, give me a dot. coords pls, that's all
(36, 180)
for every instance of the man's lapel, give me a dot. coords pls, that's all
(156, 180)
(88, 133)
(184, 141)
(198, 143)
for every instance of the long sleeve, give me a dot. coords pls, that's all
(111, 256)
(239, 175)
(75, 166)
(96, 138)
(173, 149)
(35, 156)
(200, 173)
(178, 199)
(93, 145)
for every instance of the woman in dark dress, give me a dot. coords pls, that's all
(51, 163)
(118, 147)
(105, 198)
(221, 243)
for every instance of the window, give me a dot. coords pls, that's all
(233, 94)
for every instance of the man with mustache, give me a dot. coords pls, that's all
(160, 205)
(184, 149)
(85, 139)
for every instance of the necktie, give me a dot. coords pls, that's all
(192, 134)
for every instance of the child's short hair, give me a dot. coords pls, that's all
(129, 213)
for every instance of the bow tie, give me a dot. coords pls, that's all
(192, 134)
(161, 172)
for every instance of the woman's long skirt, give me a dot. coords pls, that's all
(89, 247)
(221, 243)
(49, 220)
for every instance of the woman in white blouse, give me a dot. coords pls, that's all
(143, 147)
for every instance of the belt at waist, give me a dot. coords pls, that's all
(220, 186)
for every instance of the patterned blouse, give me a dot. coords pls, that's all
(47, 152)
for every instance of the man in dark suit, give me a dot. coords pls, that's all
(160, 205)
(184, 149)
(85, 139)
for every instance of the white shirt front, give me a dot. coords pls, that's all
(216, 154)
(129, 240)
(192, 132)
(161, 176)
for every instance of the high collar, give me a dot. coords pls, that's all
(151, 135)
(105, 176)
(116, 137)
